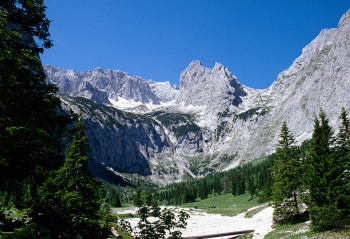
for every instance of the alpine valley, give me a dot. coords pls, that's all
(211, 122)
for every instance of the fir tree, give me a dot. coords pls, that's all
(73, 193)
(322, 177)
(203, 192)
(138, 202)
(251, 186)
(30, 127)
(286, 178)
(341, 162)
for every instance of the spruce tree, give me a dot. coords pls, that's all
(341, 162)
(251, 186)
(203, 192)
(322, 177)
(74, 202)
(138, 202)
(234, 183)
(286, 178)
(30, 127)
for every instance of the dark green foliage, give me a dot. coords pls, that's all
(327, 173)
(341, 183)
(112, 195)
(234, 181)
(287, 175)
(251, 186)
(319, 162)
(69, 203)
(166, 223)
(29, 122)
(203, 190)
(327, 217)
(138, 202)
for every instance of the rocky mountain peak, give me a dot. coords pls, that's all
(214, 88)
(344, 20)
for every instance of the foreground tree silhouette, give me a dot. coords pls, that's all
(71, 201)
(30, 127)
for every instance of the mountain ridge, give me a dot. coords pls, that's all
(211, 122)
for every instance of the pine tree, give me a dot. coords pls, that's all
(251, 186)
(241, 184)
(234, 183)
(225, 186)
(203, 192)
(30, 127)
(74, 202)
(322, 177)
(286, 178)
(138, 202)
(341, 164)
(149, 198)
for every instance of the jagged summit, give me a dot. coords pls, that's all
(114, 83)
(214, 88)
(212, 122)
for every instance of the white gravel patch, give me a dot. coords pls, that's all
(202, 223)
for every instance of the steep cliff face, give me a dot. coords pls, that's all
(318, 78)
(213, 88)
(134, 143)
(213, 122)
(114, 83)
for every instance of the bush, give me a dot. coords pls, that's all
(327, 218)
(167, 221)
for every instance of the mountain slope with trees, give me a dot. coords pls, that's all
(217, 125)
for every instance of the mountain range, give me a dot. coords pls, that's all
(211, 122)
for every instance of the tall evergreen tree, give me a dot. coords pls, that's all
(286, 178)
(251, 186)
(30, 127)
(319, 160)
(241, 183)
(341, 166)
(138, 202)
(203, 192)
(322, 177)
(74, 202)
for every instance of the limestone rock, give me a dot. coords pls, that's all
(213, 122)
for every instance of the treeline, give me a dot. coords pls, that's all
(315, 184)
(255, 179)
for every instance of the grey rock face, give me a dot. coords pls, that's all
(86, 90)
(165, 91)
(232, 123)
(214, 88)
(127, 142)
(114, 82)
(319, 78)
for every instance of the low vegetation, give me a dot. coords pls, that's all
(302, 230)
(226, 204)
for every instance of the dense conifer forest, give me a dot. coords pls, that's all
(48, 191)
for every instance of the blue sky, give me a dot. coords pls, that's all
(157, 39)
